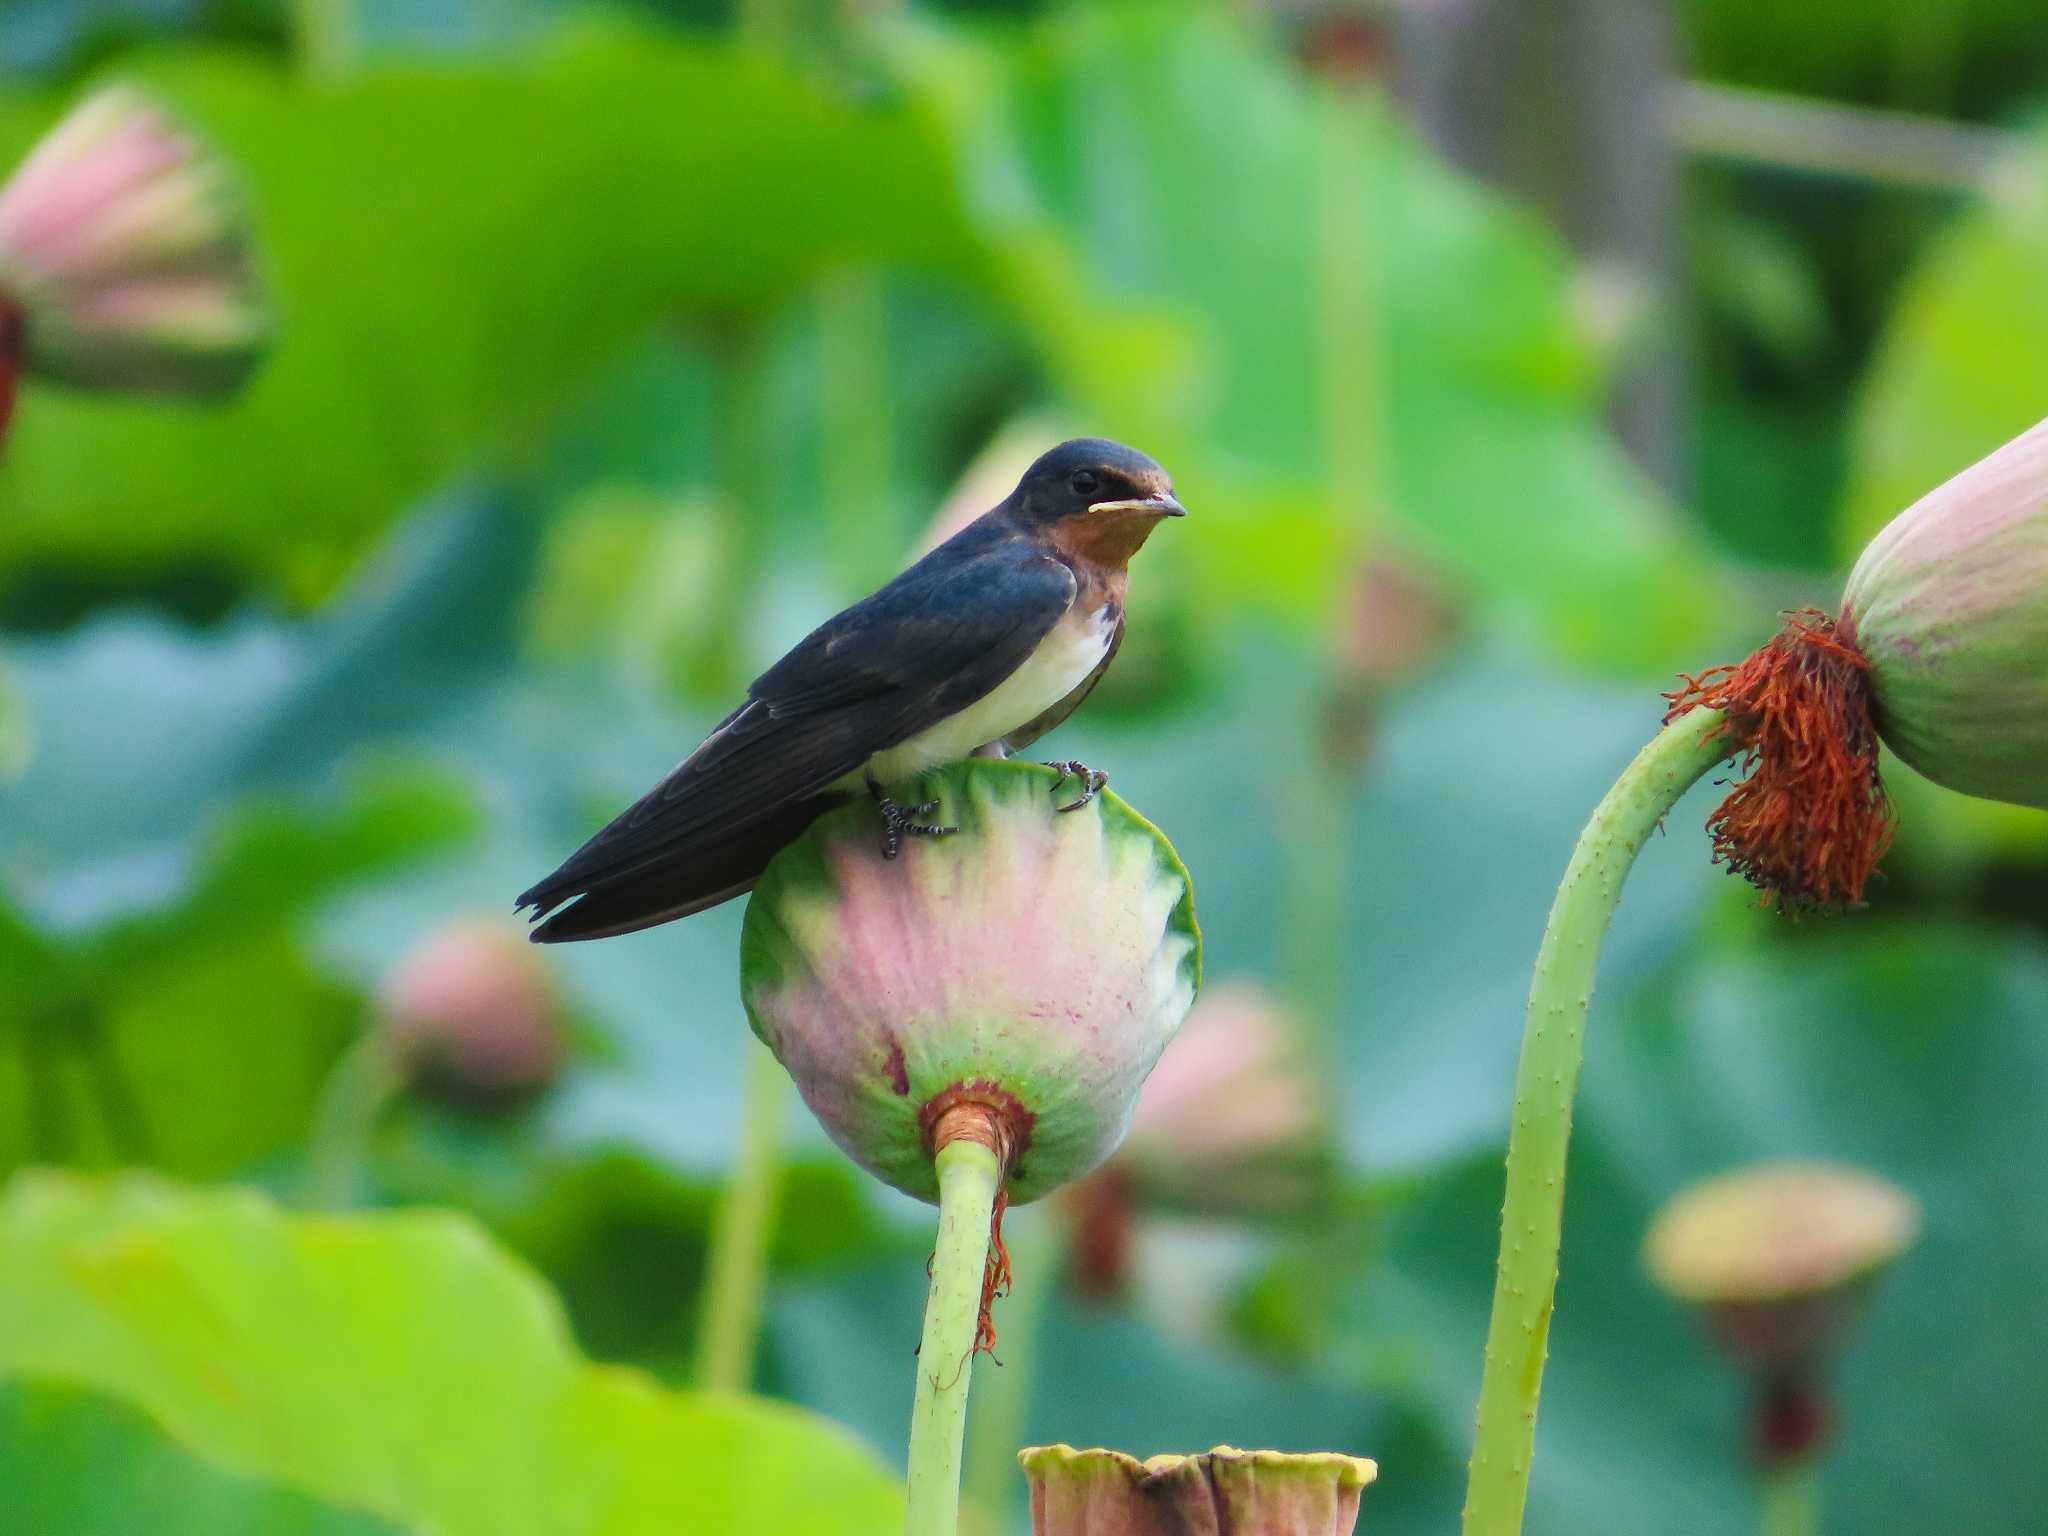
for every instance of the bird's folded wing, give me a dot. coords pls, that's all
(927, 645)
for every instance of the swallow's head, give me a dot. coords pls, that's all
(1095, 499)
(1092, 481)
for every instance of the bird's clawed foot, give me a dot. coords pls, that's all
(1092, 780)
(900, 820)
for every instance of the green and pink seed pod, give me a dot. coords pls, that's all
(1033, 963)
(971, 1021)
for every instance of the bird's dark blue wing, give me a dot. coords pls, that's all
(934, 640)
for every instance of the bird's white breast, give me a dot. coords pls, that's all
(1070, 651)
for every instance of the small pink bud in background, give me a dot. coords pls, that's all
(1246, 1493)
(1396, 620)
(473, 1014)
(1230, 1125)
(125, 260)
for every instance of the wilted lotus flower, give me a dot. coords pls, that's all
(1941, 650)
(1245, 1493)
(1033, 963)
(1778, 1260)
(473, 1014)
(124, 259)
(1230, 1124)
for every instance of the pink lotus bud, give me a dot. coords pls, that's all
(472, 1013)
(1033, 963)
(1230, 1124)
(1778, 1260)
(1231, 1121)
(1246, 1493)
(1949, 604)
(1396, 620)
(1941, 652)
(124, 258)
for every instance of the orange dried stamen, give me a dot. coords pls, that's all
(995, 1279)
(1809, 819)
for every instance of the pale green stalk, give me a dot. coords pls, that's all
(362, 1084)
(1792, 1500)
(324, 37)
(1552, 1047)
(729, 1325)
(1038, 1247)
(968, 1178)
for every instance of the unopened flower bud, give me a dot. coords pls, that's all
(1949, 605)
(124, 258)
(1941, 651)
(1778, 1260)
(1034, 963)
(473, 1014)
(1230, 1124)
(1247, 1493)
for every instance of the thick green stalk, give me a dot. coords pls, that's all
(1792, 1500)
(1552, 1047)
(729, 1327)
(1038, 1247)
(968, 1178)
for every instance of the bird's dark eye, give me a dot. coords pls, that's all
(1085, 482)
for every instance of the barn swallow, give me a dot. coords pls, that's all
(981, 647)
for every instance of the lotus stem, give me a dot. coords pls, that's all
(729, 1328)
(969, 1176)
(1553, 1040)
(1792, 1499)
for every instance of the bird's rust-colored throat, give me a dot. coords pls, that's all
(1107, 538)
(983, 1113)
(1809, 818)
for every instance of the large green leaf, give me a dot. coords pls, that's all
(75, 1463)
(400, 1364)
(192, 1033)
(1915, 1052)
(1963, 364)
(457, 248)
(1315, 322)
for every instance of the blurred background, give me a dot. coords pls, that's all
(1510, 356)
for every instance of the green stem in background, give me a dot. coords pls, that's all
(361, 1087)
(1552, 1047)
(1038, 1246)
(742, 454)
(729, 1327)
(324, 34)
(1792, 1499)
(853, 389)
(969, 1176)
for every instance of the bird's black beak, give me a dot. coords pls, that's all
(1147, 506)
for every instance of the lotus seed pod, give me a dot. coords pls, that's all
(1777, 1255)
(1949, 604)
(472, 1014)
(1247, 1493)
(124, 258)
(1034, 962)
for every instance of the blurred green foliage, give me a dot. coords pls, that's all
(612, 358)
